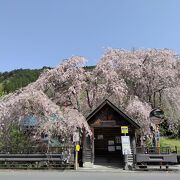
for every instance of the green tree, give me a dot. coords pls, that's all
(15, 140)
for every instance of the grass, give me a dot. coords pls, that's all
(165, 141)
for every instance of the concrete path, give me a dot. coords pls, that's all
(76, 175)
(111, 168)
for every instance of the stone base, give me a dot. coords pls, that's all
(88, 165)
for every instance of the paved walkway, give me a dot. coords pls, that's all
(75, 175)
(111, 168)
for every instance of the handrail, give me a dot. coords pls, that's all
(156, 150)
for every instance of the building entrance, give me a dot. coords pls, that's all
(107, 145)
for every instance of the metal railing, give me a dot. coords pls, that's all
(156, 150)
(55, 157)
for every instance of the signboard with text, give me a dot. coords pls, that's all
(126, 148)
(75, 136)
(124, 129)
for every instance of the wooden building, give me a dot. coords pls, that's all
(105, 146)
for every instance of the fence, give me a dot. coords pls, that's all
(156, 156)
(55, 157)
(156, 150)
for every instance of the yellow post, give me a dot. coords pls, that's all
(76, 161)
(76, 156)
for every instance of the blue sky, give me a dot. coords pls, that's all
(37, 33)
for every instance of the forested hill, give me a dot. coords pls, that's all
(10, 81)
(13, 80)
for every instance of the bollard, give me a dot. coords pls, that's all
(125, 162)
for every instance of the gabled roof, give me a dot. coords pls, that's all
(106, 101)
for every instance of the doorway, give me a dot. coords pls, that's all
(107, 146)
